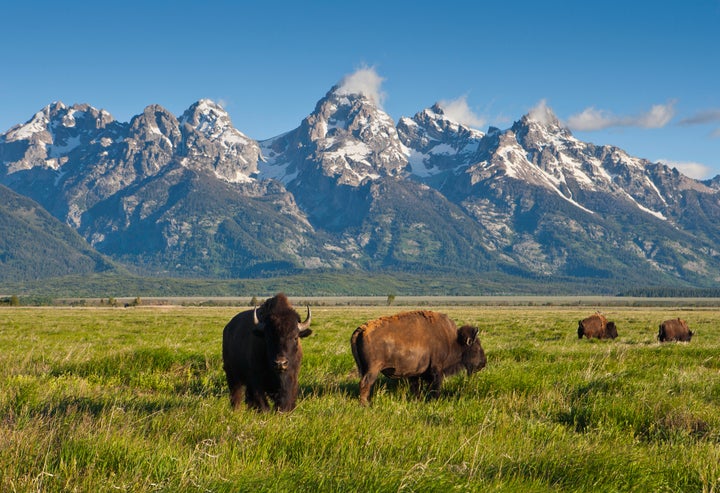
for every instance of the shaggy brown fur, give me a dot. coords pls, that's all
(674, 330)
(596, 326)
(420, 345)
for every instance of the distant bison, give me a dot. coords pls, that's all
(415, 345)
(262, 353)
(674, 329)
(597, 326)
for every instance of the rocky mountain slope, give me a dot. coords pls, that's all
(350, 189)
(35, 245)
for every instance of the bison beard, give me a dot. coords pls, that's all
(262, 354)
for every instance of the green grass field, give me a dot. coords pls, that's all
(102, 399)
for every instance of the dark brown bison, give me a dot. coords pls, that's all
(597, 326)
(415, 345)
(262, 353)
(674, 329)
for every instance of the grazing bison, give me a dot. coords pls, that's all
(674, 329)
(261, 352)
(415, 345)
(597, 326)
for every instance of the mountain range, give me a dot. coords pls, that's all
(348, 190)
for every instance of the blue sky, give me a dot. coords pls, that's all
(641, 75)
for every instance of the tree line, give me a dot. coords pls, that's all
(672, 292)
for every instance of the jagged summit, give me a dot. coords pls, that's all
(208, 118)
(348, 138)
(56, 116)
(435, 143)
(211, 137)
(52, 134)
(541, 125)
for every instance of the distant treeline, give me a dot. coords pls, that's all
(672, 292)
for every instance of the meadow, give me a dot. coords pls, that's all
(134, 399)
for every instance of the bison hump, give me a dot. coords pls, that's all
(400, 319)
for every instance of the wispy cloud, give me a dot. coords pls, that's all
(458, 110)
(591, 118)
(698, 171)
(364, 81)
(708, 116)
(704, 118)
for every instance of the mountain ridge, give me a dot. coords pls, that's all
(351, 189)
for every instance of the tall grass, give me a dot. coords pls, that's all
(135, 400)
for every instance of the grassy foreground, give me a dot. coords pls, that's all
(102, 399)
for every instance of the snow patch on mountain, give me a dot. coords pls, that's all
(643, 208)
(275, 164)
(70, 144)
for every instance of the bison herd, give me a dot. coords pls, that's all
(598, 326)
(262, 352)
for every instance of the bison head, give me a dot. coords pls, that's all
(611, 330)
(473, 356)
(281, 329)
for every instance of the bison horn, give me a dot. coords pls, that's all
(255, 317)
(306, 323)
(472, 337)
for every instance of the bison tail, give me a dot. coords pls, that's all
(580, 330)
(356, 342)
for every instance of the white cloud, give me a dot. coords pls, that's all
(590, 119)
(542, 113)
(459, 111)
(364, 81)
(658, 116)
(698, 171)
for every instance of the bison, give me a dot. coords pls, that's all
(675, 329)
(262, 353)
(597, 326)
(415, 345)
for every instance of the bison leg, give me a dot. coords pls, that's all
(366, 385)
(415, 386)
(236, 388)
(236, 394)
(436, 380)
(256, 399)
(285, 400)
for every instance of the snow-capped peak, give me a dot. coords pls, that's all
(234, 155)
(52, 134)
(37, 124)
(435, 143)
(208, 118)
(350, 138)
